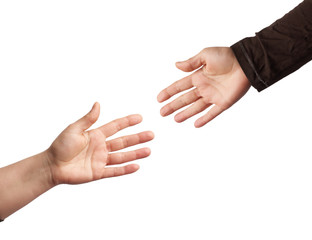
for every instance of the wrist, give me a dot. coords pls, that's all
(47, 168)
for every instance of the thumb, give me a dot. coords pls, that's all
(191, 64)
(89, 119)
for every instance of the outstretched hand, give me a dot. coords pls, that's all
(79, 156)
(218, 82)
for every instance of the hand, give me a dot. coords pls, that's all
(219, 81)
(79, 156)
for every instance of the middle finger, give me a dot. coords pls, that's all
(130, 140)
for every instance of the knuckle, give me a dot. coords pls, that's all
(116, 171)
(181, 102)
(121, 158)
(116, 125)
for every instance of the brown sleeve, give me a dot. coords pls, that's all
(279, 49)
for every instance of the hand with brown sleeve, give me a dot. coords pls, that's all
(223, 75)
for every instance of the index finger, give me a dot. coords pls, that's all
(116, 125)
(178, 86)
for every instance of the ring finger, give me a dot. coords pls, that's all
(180, 102)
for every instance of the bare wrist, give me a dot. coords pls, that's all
(47, 160)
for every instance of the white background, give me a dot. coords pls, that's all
(246, 175)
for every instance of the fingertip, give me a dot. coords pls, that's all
(163, 112)
(132, 168)
(95, 112)
(140, 117)
(96, 104)
(135, 119)
(179, 65)
(161, 97)
(95, 107)
(142, 153)
(199, 123)
(150, 135)
(147, 151)
(158, 98)
(185, 66)
(178, 118)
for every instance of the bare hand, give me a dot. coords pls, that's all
(79, 156)
(219, 82)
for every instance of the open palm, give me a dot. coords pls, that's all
(218, 82)
(79, 156)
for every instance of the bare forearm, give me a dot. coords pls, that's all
(22, 182)
(76, 156)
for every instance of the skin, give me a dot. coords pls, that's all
(217, 82)
(76, 156)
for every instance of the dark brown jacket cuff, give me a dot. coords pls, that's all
(279, 49)
(248, 65)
